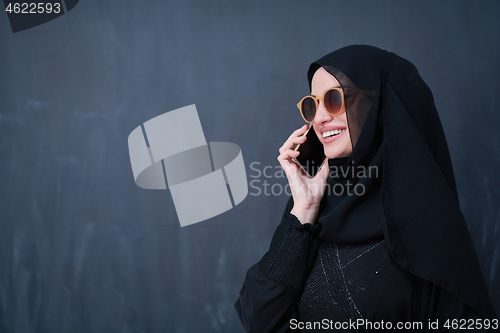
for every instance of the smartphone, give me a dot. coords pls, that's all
(312, 153)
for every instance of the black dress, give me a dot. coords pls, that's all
(400, 251)
(305, 284)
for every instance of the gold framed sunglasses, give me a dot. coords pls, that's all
(333, 100)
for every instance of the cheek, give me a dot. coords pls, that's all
(318, 134)
(343, 118)
(346, 137)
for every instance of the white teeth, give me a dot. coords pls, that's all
(330, 133)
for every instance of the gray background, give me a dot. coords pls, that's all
(83, 249)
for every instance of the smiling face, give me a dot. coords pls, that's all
(338, 145)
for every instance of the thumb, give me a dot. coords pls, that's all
(326, 166)
(325, 169)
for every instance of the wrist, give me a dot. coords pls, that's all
(305, 214)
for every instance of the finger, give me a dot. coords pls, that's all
(286, 158)
(293, 173)
(295, 134)
(299, 131)
(325, 169)
(291, 142)
(289, 154)
(289, 167)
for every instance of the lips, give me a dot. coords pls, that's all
(331, 128)
(332, 133)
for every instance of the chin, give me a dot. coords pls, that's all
(336, 152)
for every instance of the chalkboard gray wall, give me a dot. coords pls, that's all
(83, 249)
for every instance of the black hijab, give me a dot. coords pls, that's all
(408, 188)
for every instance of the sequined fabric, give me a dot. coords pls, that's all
(342, 278)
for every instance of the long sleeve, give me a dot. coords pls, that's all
(272, 287)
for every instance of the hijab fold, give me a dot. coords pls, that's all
(413, 200)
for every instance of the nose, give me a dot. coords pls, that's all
(321, 116)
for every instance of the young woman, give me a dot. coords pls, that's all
(376, 240)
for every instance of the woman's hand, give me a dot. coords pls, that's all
(306, 192)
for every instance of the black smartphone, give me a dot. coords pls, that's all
(312, 153)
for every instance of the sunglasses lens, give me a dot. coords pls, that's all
(333, 101)
(308, 108)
